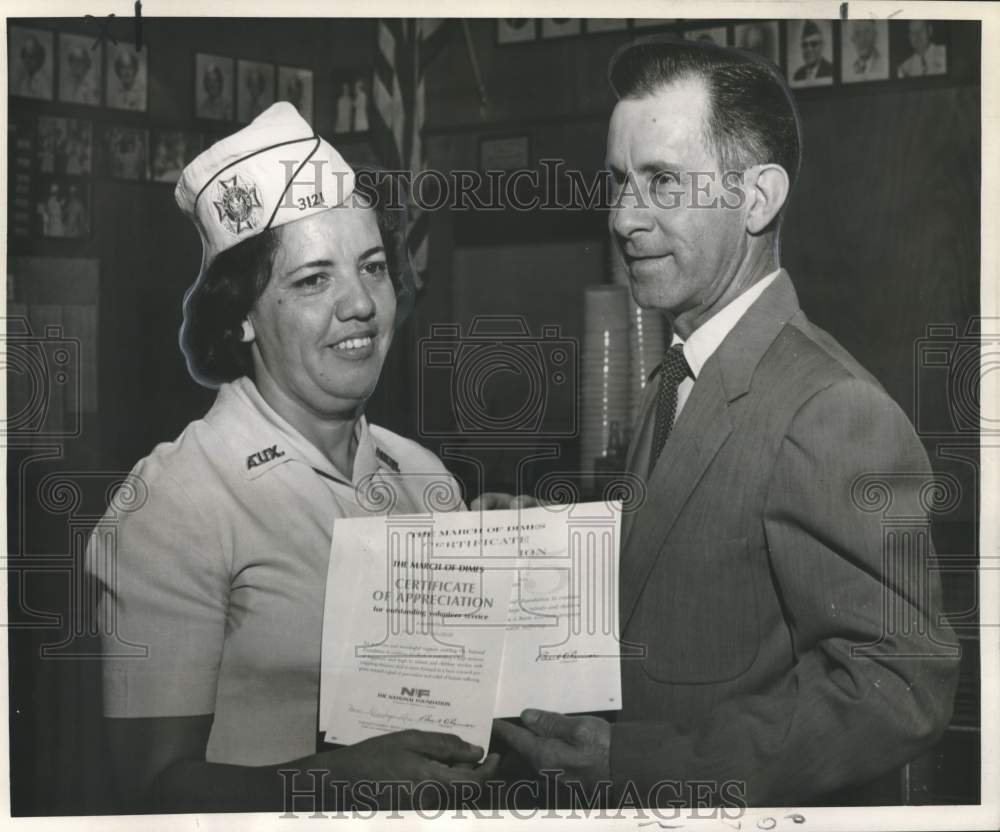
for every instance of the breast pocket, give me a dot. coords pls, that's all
(698, 613)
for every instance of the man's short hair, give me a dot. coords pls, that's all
(752, 118)
(809, 28)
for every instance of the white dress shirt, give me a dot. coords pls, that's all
(706, 339)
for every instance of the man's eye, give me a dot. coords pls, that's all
(665, 177)
(378, 268)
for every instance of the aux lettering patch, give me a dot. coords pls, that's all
(264, 455)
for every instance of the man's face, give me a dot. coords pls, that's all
(812, 48)
(863, 37)
(920, 36)
(679, 253)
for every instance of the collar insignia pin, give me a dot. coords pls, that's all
(389, 462)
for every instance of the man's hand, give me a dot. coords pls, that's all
(497, 501)
(577, 746)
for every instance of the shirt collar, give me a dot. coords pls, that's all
(707, 338)
(262, 439)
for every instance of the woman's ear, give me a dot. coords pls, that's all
(769, 190)
(248, 333)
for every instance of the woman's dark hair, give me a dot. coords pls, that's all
(216, 306)
(752, 116)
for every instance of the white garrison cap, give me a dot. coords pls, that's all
(273, 171)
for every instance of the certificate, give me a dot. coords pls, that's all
(442, 622)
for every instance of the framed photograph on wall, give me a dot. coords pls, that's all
(30, 62)
(125, 151)
(170, 151)
(505, 152)
(712, 34)
(62, 208)
(125, 77)
(761, 37)
(919, 48)
(515, 30)
(560, 27)
(80, 69)
(214, 83)
(65, 145)
(254, 89)
(810, 53)
(295, 85)
(864, 50)
(350, 107)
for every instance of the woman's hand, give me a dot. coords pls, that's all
(411, 757)
(496, 501)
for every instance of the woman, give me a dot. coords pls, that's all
(221, 570)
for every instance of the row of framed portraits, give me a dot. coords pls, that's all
(810, 52)
(77, 69)
(526, 29)
(56, 158)
(66, 146)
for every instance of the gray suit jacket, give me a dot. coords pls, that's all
(787, 643)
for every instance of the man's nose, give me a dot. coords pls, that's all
(629, 217)
(355, 301)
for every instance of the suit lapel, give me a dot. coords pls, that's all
(701, 428)
(633, 464)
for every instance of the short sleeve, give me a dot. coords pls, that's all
(164, 590)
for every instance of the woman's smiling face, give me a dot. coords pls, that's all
(324, 322)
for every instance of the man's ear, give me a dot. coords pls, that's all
(768, 190)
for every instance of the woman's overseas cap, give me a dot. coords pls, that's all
(273, 171)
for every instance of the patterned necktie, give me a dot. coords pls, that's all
(673, 370)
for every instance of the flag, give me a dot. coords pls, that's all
(405, 49)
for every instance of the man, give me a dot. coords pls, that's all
(928, 58)
(868, 63)
(752, 581)
(815, 68)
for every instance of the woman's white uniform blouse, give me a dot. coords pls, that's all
(219, 569)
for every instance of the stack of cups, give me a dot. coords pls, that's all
(605, 372)
(647, 346)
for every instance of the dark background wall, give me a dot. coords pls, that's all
(881, 240)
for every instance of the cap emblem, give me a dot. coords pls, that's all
(238, 204)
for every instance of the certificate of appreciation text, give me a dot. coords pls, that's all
(442, 622)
